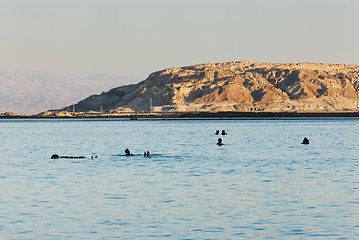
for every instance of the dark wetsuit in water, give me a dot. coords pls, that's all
(219, 143)
(127, 152)
(55, 156)
(305, 141)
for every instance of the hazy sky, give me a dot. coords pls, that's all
(137, 37)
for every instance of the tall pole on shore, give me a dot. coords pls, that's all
(357, 100)
(150, 105)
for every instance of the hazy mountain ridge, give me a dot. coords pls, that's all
(237, 86)
(33, 92)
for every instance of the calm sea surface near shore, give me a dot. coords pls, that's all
(262, 184)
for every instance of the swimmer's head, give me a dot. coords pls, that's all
(127, 151)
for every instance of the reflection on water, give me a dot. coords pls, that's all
(262, 183)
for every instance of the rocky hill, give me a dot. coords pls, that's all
(29, 92)
(236, 86)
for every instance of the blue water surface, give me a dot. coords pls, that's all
(261, 184)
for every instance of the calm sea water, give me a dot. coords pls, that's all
(262, 184)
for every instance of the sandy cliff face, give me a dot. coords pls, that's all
(237, 86)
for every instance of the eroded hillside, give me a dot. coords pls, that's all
(236, 86)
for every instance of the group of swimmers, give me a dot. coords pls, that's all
(220, 143)
(127, 153)
(147, 153)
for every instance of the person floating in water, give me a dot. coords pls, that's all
(305, 141)
(146, 154)
(219, 143)
(55, 156)
(127, 152)
(217, 132)
(224, 132)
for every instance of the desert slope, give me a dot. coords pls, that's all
(236, 86)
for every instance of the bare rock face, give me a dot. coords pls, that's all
(237, 86)
(55, 114)
(8, 114)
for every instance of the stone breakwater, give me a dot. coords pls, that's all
(236, 86)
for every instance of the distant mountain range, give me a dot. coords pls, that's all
(236, 86)
(29, 92)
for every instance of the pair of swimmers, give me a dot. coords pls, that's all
(223, 132)
(128, 153)
(220, 143)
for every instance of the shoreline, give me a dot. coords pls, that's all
(195, 115)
